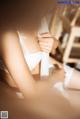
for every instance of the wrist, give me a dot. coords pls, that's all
(54, 46)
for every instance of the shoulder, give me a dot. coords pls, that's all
(9, 36)
(9, 41)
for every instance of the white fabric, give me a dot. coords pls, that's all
(78, 66)
(60, 88)
(68, 74)
(45, 64)
(33, 59)
(45, 57)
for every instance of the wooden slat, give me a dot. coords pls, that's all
(72, 60)
(76, 45)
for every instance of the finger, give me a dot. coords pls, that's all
(48, 45)
(45, 43)
(45, 35)
(45, 49)
(45, 46)
(48, 40)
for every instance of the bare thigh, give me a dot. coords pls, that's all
(57, 75)
(75, 80)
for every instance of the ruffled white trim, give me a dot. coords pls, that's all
(59, 86)
(68, 74)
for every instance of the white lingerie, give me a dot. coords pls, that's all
(68, 75)
(60, 86)
(35, 58)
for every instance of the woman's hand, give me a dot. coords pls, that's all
(46, 42)
(55, 62)
(59, 65)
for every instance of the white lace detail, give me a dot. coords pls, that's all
(68, 74)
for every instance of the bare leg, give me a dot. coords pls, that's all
(9, 80)
(75, 80)
(72, 80)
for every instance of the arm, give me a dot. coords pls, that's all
(49, 44)
(55, 62)
(15, 63)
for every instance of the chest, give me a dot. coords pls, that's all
(29, 44)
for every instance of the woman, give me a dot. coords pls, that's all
(15, 54)
(22, 21)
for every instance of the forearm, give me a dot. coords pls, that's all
(15, 63)
(53, 61)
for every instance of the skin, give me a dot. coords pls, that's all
(24, 80)
(74, 82)
(17, 68)
(19, 73)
